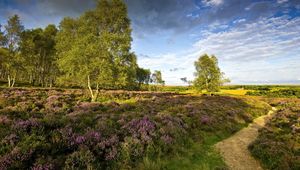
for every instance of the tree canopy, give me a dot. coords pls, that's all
(208, 74)
(91, 51)
(94, 50)
(12, 62)
(156, 78)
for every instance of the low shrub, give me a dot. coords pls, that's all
(60, 130)
(278, 144)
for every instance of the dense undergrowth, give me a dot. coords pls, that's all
(278, 144)
(59, 129)
(290, 92)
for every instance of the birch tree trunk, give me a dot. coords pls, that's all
(8, 79)
(94, 95)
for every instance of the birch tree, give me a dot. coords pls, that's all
(13, 30)
(208, 74)
(94, 49)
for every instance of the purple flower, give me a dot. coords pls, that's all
(92, 137)
(4, 119)
(19, 92)
(26, 124)
(15, 155)
(205, 119)
(166, 139)
(141, 128)
(111, 155)
(79, 140)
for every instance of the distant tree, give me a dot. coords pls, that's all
(143, 76)
(156, 78)
(184, 80)
(208, 74)
(2, 37)
(94, 50)
(13, 30)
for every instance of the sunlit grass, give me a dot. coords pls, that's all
(235, 92)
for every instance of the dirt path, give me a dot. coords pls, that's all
(235, 149)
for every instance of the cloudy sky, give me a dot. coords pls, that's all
(256, 41)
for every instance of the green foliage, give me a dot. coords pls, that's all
(93, 50)
(143, 76)
(82, 159)
(12, 65)
(38, 49)
(13, 31)
(208, 74)
(275, 93)
(97, 45)
(3, 39)
(156, 78)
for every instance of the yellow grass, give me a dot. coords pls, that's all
(235, 92)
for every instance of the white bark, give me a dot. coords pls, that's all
(8, 78)
(94, 95)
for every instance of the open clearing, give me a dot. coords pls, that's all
(235, 149)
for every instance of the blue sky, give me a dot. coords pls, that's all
(256, 41)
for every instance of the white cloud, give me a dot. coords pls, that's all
(239, 21)
(261, 52)
(212, 2)
(275, 37)
(282, 1)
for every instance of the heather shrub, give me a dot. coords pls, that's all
(58, 129)
(81, 159)
(278, 144)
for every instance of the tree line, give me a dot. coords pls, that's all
(92, 50)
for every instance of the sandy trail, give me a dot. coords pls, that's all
(235, 149)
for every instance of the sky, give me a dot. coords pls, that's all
(255, 41)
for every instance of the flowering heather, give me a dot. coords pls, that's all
(55, 129)
(16, 155)
(79, 140)
(143, 129)
(26, 124)
(92, 137)
(109, 147)
(111, 154)
(205, 119)
(166, 139)
(277, 145)
(173, 122)
(4, 119)
(19, 92)
(68, 136)
(85, 107)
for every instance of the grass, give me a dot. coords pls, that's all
(235, 92)
(200, 155)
